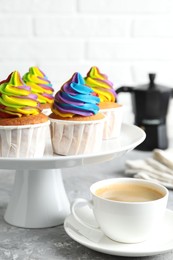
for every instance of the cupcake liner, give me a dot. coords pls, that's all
(74, 137)
(113, 122)
(46, 111)
(26, 141)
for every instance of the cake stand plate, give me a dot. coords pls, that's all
(39, 199)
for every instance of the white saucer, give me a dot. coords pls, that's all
(159, 243)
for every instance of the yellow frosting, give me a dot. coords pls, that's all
(101, 85)
(16, 98)
(40, 85)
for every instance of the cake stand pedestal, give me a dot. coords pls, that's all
(39, 199)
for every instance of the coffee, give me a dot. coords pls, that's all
(129, 192)
(126, 210)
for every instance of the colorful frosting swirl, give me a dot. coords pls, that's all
(74, 98)
(16, 98)
(101, 85)
(39, 84)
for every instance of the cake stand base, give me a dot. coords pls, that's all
(38, 200)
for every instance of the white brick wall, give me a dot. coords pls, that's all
(124, 6)
(127, 39)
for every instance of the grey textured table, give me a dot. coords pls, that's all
(54, 243)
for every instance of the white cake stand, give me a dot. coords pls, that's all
(39, 199)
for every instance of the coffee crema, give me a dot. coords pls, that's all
(129, 192)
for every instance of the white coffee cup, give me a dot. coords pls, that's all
(133, 216)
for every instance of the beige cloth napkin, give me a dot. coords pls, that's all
(158, 168)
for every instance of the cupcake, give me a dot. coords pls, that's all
(76, 124)
(41, 86)
(22, 126)
(108, 102)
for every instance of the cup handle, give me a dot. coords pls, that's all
(75, 206)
